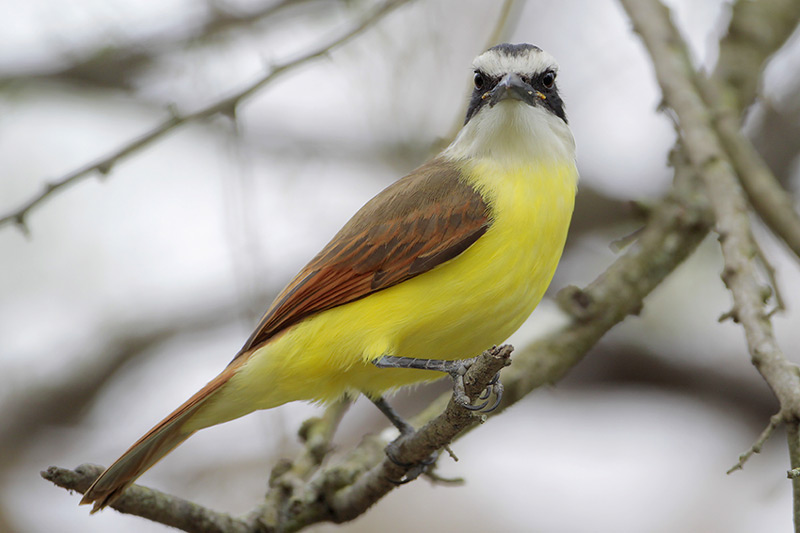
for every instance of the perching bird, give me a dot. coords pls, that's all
(442, 264)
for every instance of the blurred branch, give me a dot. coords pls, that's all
(793, 438)
(776, 132)
(616, 364)
(677, 79)
(504, 25)
(755, 32)
(675, 227)
(61, 400)
(289, 477)
(226, 106)
(338, 494)
(595, 210)
(772, 277)
(769, 199)
(116, 65)
(56, 403)
(679, 82)
(409, 450)
(224, 19)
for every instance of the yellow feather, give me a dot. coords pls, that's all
(454, 311)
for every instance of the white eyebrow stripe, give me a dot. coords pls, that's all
(494, 63)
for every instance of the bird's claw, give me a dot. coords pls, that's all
(497, 389)
(460, 395)
(414, 470)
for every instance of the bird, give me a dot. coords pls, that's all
(441, 265)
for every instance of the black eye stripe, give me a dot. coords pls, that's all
(543, 82)
(544, 79)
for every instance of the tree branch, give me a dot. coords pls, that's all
(114, 65)
(677, 79)
(679, 83)
(338, 494)
(770, 200)
(793, 440)
(150, 503)
(226, 106)
(756, 30)
(60, 401)
(774, 422)
(433, 436)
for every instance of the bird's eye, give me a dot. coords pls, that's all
(479, 81)
(549, 79)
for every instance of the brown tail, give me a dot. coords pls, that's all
(149, 449)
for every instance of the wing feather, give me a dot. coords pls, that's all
(419, 222)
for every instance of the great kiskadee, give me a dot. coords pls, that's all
(442, 264)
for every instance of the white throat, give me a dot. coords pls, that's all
(513, 133)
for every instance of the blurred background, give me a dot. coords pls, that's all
(132, 291)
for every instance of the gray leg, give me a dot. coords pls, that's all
(414, 470)
(456, 369)
(404, 427)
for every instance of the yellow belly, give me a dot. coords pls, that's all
(454, 311)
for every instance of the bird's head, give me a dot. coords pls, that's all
(515, 114)
(521, 72)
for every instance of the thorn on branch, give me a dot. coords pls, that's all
(766, 293)
(618, 245)
(229, 111)
(22, 225)
(729, 315)
(105, 168)
(282, 466)
(727, 275)
(771, 313)
(642, 209)
(773, 280)
(451, 453)
(305, 428)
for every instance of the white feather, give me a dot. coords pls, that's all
(533, 60)
(514, 133)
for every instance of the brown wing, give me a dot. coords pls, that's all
(415, 224)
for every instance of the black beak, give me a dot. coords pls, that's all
(512, 86)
